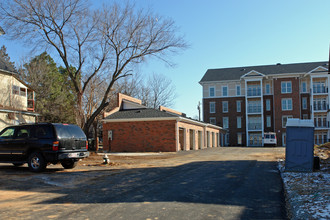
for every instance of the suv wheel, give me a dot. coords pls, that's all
(36, 162)
(69, 164)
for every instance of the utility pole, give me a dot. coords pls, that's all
(199, 110)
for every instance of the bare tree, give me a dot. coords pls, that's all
(162, 91)
(155, 91)
(106, 43)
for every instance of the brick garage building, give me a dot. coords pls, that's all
(132, 127)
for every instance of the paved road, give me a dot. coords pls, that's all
(222, 183)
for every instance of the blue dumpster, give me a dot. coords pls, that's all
(299, 152)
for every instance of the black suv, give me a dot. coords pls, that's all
(43, 143)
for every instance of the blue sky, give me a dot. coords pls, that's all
(233, 33)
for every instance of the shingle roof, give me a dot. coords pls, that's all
(4, 65)
(236, 72)
(141, 113)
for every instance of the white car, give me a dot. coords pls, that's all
(270, 139)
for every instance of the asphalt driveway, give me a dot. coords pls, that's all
(220, 183)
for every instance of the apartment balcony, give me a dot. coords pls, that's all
(254, 92)
(321, 107)
(254, 109)
(321, 124)
(30, 105)
(254, 126)
(320, 90)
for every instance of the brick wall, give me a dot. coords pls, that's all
(268, 113)
(140, 136)
(278, 112)
(232, 115)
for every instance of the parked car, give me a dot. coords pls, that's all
(270, 139)
(43, 143)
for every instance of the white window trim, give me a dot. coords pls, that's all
(223, 122)
(215, 120)
(240, 90)
(211, 108)
(302, 91)
(286, 99)
(267, 93)
(222, 87)
(286, 87)
(268, 119)
(223, 110)
(239, 119)
(268, 105)
(302, 102)
(240, 106)
(211, 87)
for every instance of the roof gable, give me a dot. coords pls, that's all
(318, 69)
(253, 74)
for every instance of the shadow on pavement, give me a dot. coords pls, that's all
(254, 185)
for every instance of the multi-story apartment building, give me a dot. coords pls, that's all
(16, 98)
(249, 101)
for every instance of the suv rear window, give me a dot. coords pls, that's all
(69, 131)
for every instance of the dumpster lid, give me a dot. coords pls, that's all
(296, 122)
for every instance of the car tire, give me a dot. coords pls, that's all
(18, 164)
(69, 164)
(36, 162)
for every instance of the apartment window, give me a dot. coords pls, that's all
(212, 107)
(285, 119)
(213, 120)
(15, 90)
(224, 91)
(238, 90)
(211, 91)
(286, 104)
(239, 138)
(268, 121)
(239, 122)
(238, 106)
(22, 91)
(225, 122)
(304, 103)
(304, 87)
(267, 104)
(305, 116)
(225, 106)
(286, 87)
(267, 90)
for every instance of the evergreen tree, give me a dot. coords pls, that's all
(10, 66)
(54, 97)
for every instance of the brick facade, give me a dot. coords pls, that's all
(270, 94)
(232, 115)
(140, 136)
